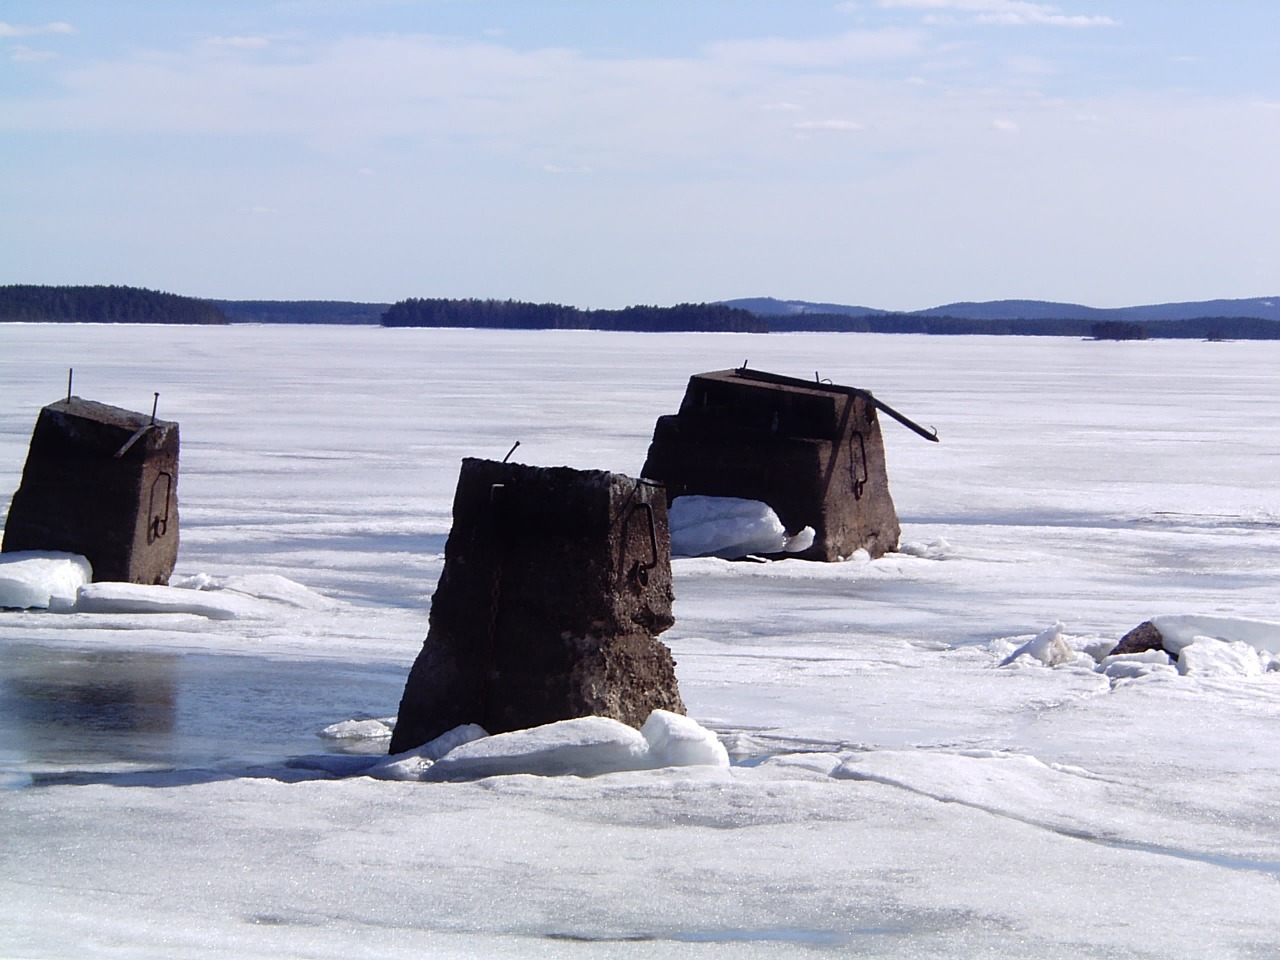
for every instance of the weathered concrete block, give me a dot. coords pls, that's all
(101, 482)
(811, 451)
(556, 583)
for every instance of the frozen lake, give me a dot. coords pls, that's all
(896, 791)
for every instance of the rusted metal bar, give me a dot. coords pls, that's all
(759, 375)
(138, 435)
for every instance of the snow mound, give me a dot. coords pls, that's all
(40, 579)
(730, 527)
(679, 741)
(144, 598)
(1049, 647)
(582, 747)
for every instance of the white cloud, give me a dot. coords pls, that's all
(20, 54)
(1005, 12)
(1005, 126)
(851, 47)
(1030, 66)
(238, 43)
(827, 125)
(21, 30)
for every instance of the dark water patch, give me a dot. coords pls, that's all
(67, 712)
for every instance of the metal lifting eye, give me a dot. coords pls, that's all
(638, 572)
(158, 517)
(858, 464)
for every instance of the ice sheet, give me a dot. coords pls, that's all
(1055, 808)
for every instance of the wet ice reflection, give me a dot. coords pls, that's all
(69, 710)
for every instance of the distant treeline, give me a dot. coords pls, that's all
(115, 304)
(1203, 328)
(40, 304)
(1119, 330)
(301, 311)
(518, 315)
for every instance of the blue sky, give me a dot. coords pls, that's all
(893, 153)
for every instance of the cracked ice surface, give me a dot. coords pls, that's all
(895, 790)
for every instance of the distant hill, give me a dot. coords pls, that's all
(1019, 310)
(1260, 308)
(29, 303)
(302, 311)
(1250, 319)
(769, 307)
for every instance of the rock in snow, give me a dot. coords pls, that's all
(1186, 644)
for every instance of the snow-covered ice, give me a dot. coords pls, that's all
(203, 774)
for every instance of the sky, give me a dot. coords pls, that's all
(899, 154)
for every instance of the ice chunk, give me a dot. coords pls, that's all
(938, 549)
(1179, 630)
(144, 598)
(270, 586)
(371, 729)
(413, 764)
(1131, 666)
(584, 747)
(679, 741)
(801, 542)
(264, 586)
(1048, 647)
(1146, 656)
(39, 579)
(1208, 657)
(728, 527)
